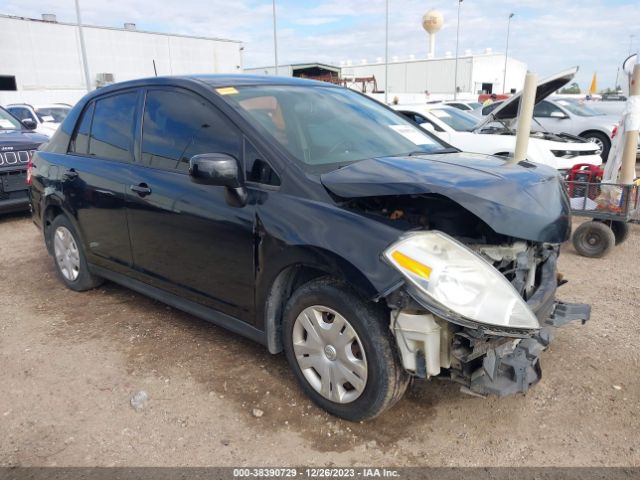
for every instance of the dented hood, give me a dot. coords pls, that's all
(525, 200)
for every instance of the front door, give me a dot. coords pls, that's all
(551, 118)
(185, 237)
(95, 173)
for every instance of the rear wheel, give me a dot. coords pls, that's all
(593, 239)
(341, 350)
(69, 258)
(620, 229)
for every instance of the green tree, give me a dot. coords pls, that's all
(573, 88)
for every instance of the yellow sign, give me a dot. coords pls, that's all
(227, 91)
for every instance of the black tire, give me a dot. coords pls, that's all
(601, 138)
(620, 229)
(593, 239)
(386, 378)
(84, 280)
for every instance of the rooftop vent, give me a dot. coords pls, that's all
(130, 26)
(49, 17)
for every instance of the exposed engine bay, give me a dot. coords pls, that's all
(484, 360)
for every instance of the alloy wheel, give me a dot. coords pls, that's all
(66, 253)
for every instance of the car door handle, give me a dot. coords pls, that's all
(70, 174)
(141, 189)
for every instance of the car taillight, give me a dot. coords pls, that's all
(29, 168)
(614, 132)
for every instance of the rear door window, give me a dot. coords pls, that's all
(178, 125)
(112, 127)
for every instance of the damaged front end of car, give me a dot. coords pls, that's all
(485, 358)
(477, 259)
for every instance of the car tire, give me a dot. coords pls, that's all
(314, 320)
(68, 256)
(602, 140)
(620, 229)
(593, 239)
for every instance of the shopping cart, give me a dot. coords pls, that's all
(611, 206)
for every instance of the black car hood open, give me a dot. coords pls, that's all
(525, 201)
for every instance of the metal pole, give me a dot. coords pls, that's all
(83, 50)
(275, 38)
(628, 170)
(525, 117)
(506, 55)
(386, 54)
(455, 75)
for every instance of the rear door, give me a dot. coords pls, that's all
(186, 238)
(95, 174)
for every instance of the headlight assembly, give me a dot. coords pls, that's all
(450, 275)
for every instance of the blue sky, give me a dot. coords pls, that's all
(547, 35)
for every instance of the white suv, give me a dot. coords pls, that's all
(43, 119)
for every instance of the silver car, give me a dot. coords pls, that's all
(576, 118)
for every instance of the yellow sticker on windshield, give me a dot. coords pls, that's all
(227, 91)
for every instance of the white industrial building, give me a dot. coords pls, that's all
(476, 74)
(42, 60)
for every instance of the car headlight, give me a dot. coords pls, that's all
(452, 276)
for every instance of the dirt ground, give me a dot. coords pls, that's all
(70, 362)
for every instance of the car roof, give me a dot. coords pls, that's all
(213, 80)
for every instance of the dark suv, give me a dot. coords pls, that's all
(313, 220)
(17, 144)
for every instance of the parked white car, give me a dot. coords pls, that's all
(461, 130)
(43, 119)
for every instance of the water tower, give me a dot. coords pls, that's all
(432, 22)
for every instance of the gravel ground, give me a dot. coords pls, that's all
(70, 363)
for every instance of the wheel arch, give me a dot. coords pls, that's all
(599, 132)
(54, 207)
(305, 265)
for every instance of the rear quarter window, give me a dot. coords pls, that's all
(112, 127)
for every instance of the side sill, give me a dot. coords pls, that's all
(218, 318)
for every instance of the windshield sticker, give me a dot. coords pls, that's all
(411, 134)
(4, 123)
(227, 91)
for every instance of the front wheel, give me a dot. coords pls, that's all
(601, 140)
(341, 350)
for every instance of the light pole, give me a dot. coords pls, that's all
(506, 55)
(455, 74)
(386, 53)
(83, 50)
(275, 38)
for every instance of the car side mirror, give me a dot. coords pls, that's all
(222, 170)
(215, 169)
(29, 123)
(556, 114)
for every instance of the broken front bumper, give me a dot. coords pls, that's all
(486, 361)
(501, 366)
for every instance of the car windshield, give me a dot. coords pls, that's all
(456, 119)
(327, 127)
(8, 121)
(57, 113)
(475, 105)
(579, 109)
